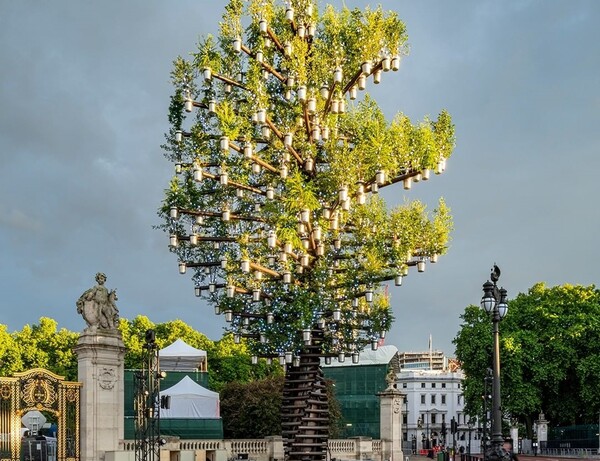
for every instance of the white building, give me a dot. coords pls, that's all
(433, 398)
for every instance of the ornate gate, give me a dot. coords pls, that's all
(41, 390)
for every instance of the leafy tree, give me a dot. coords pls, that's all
(549, 355)
(274, 204)
(44, 346)
(10, 358)
(252, 410)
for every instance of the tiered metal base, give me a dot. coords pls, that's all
(305, 409)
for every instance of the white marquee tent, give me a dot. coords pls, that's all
(180, 356)
(190, 400)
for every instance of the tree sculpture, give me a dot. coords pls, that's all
(279, 158)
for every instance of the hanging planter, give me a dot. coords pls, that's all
(309, 10)
(262, 338)
(337, 75)
(287, 277)
(262, 26)
(398, 280)
(174, 213)
(341, 357)
(311, 105)
(316, 233)
(193, 239)
(380, 177)
(270, 193)
(289, 14)
(272, 239)
(369, 296)
(342, 106)
(301, 31)
(377, 77)
(269, 318)
(353, 92)
(287, 247)
(421, 265)
(224, 178)
(226, 215)
(265, 131)
(259, 56)
(355, 357)
(417, 177)
(325, 133)
(228, 316)
(178, 135)
(346, 205)
(366, 68)
(327, 360)
(362, 82)
(290, 81)
(283, 171)
(306, 336)
(256, 168)
(335, 104)
(261, 116)
(337, 244)
(407, 183)
(207, 74)
(320, 250)
(189, 104)
(309, 164)
(182, 267)
(395, 62)
(212, 106)
(287, 140)
(433, 258)
(343, 193)
(310, 30)
(301, 93)
(248, 150)
(197, 172)
(374, 344)
(287, 49)
(237, 44)
(212, 287)
(245, 265)
(197, 291)
(425, 174)
(178, 168)
(305, 215)
(223, 262)
(254, 360)
(256, 294)
(386, 63)
(337, 314)
(224, 143)
(324, 91)
(315, 134)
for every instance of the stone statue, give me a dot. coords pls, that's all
(97, 306)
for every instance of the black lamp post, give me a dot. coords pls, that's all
(494, 302)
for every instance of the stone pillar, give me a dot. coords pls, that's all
(542, 432)
(390, 426)
(100, 368)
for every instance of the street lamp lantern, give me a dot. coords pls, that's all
(495, 302)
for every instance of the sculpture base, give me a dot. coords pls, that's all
(100, 356)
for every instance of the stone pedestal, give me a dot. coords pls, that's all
(542, 431)
(390, 427)
(100, 368)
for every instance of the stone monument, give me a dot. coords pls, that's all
(390, 413)
(100, 352)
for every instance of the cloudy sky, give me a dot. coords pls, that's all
(84, 91)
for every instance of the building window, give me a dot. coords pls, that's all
(443, 417)
(433, 399)
(404, 418)
(423, 385)
(459, 399)
(404, 385)
(443, 399)
(422, 399)
(433, 415)
(444, 385)
(433, 385)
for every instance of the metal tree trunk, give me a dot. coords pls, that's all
(305, 409)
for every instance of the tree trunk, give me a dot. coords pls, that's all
(305, 409)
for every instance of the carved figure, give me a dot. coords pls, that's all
(98, 306)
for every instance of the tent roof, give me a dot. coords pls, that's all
(188, 387)
(181, 356)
